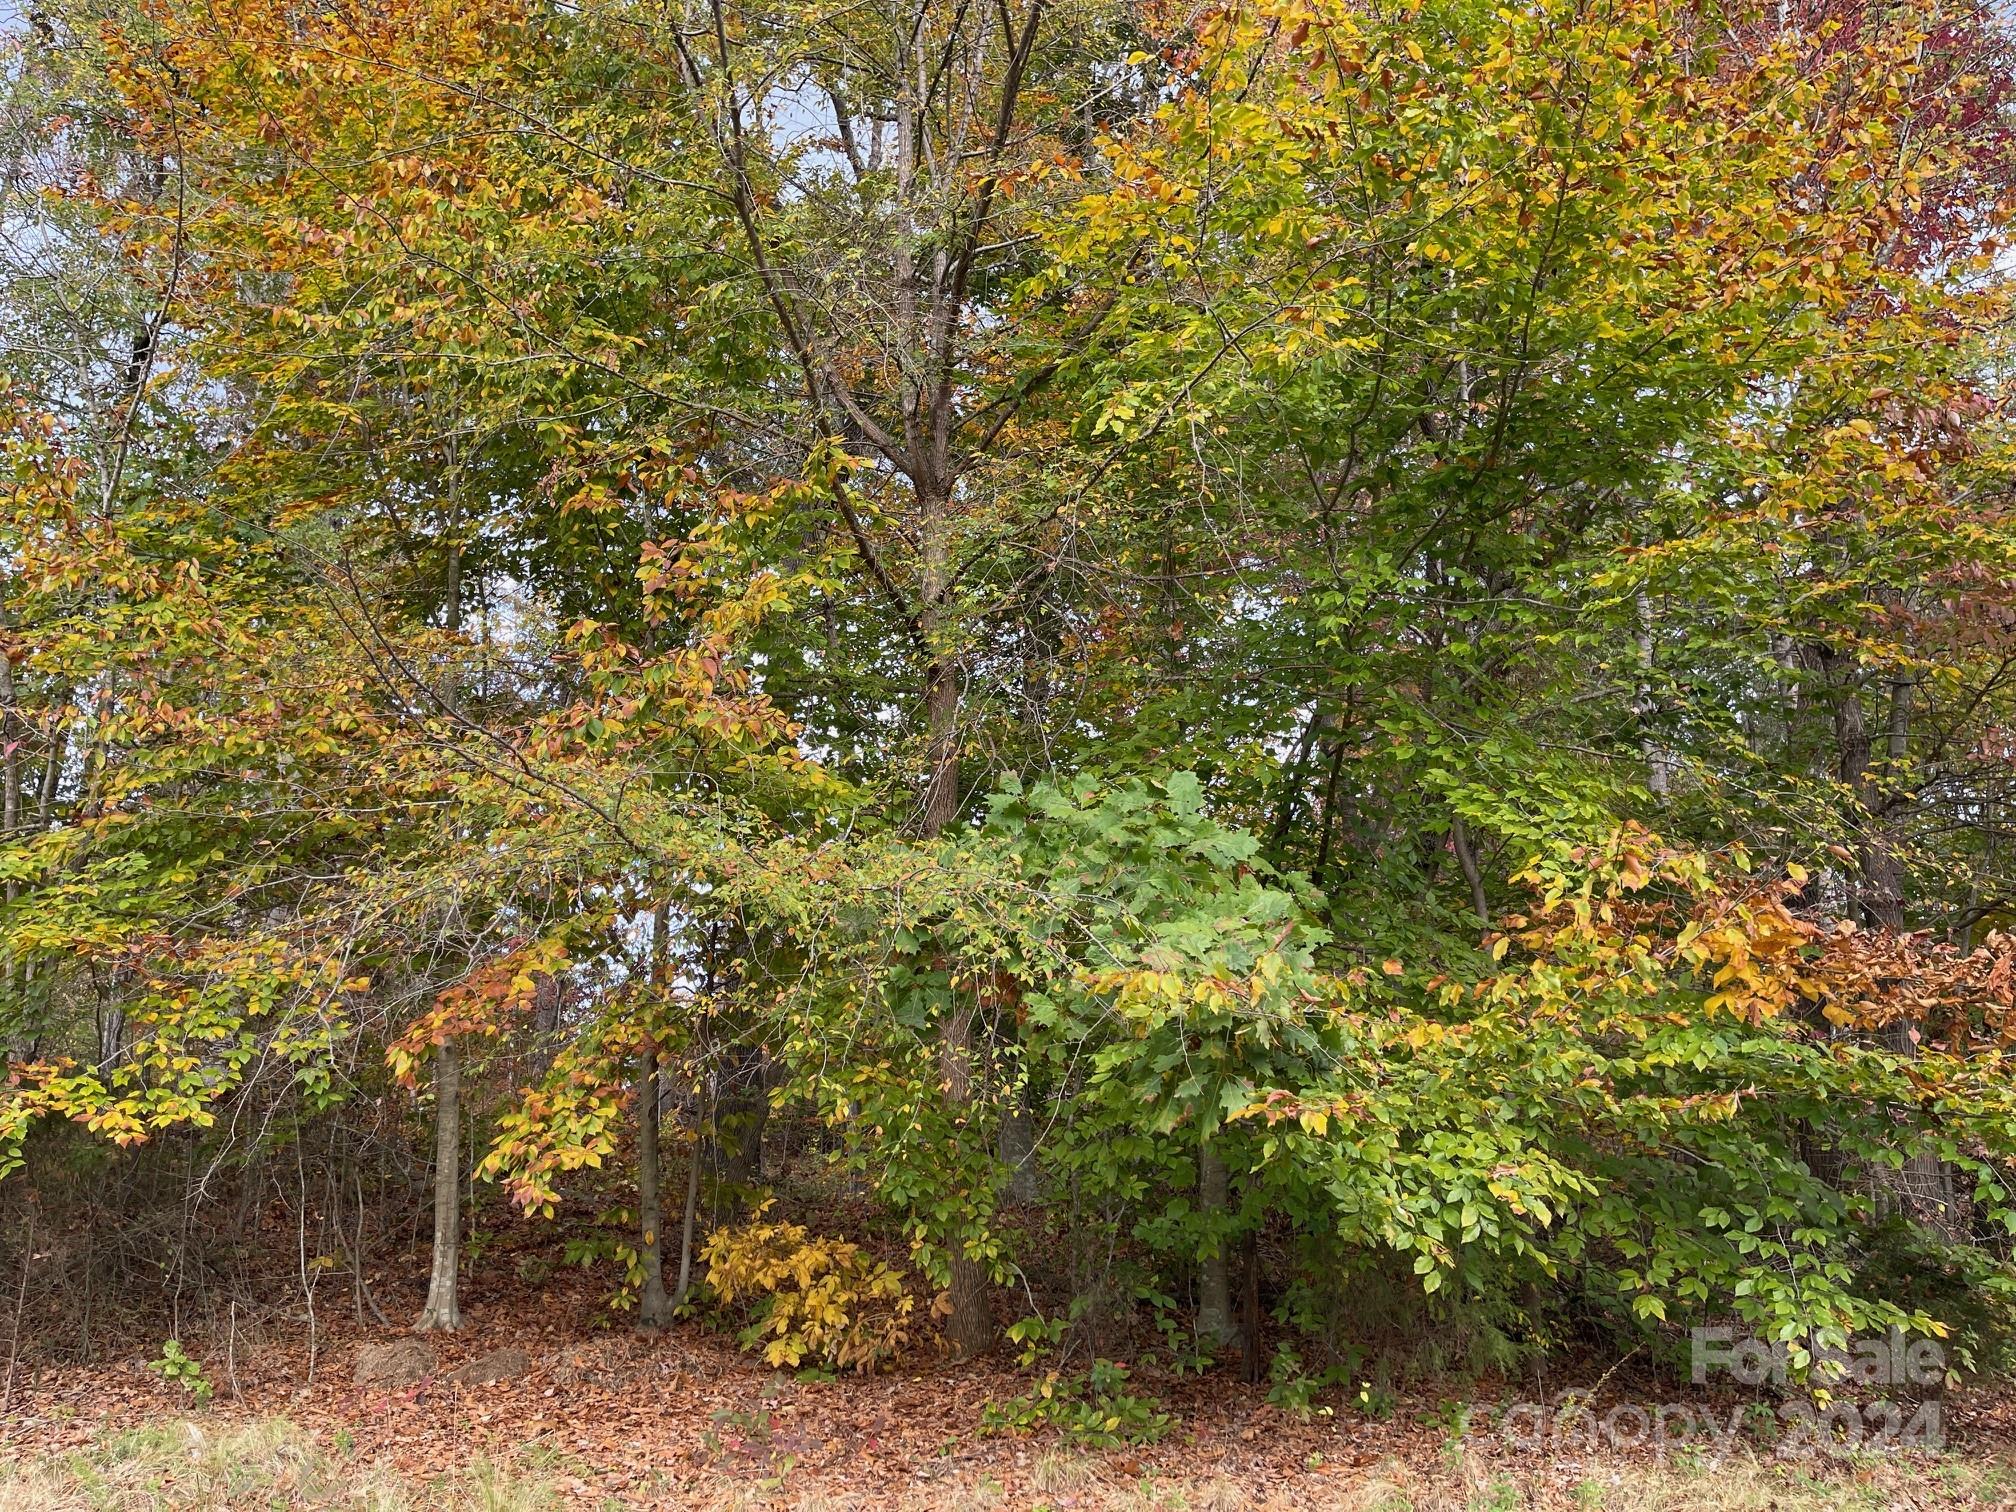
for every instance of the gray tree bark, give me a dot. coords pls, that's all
(1018, 1153)
(1215, 1325)
(443, 1311)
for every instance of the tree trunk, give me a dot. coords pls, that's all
(1018, 1152)
(1658, 761)
(442, 1311)
(1466, 858)
(12, 728)
(1254, 1367)
(971, 1325)
(1214, 1277)
(970, 1328)
(741, 1111)
(1879, 884)
(654, 1308)
(686, 1227)
(941, 709)
(52, 769)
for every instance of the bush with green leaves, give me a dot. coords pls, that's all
(1578, 1114)
(1093, 1408)
(177, 1367)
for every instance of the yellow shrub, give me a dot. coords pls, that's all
(814, 1298)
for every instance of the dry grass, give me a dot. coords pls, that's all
(270, 1463)
(1058, 1475)
(1734, 1484)
(1081, 1483)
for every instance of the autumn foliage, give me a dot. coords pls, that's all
(1372, 646)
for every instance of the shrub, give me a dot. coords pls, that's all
(1093, 1409)
(809, 1298)
(180, 1368)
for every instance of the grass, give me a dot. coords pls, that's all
(1735, 1484)
(269, 1463)
(1084, 1483)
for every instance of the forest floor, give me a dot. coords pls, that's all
(684, 1420)
(588, 1413)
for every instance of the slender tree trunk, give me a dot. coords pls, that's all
(1885, 872)
(1320, 872)
(443, 1311)
(686, 1228)
(111, 1037)
(970, 1328)
(971, 1325)
(654, 1309)
(1658, 761)
(52, 772)
(1254, 1367)
(1466, 858)
(451, 593)
(1292, 777)
(1879, 884)
(1215, 1326)
(1018, 1152)
(733, 1155)
(12, 727)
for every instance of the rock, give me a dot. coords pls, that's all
(387, 1367)
(498, 1365)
